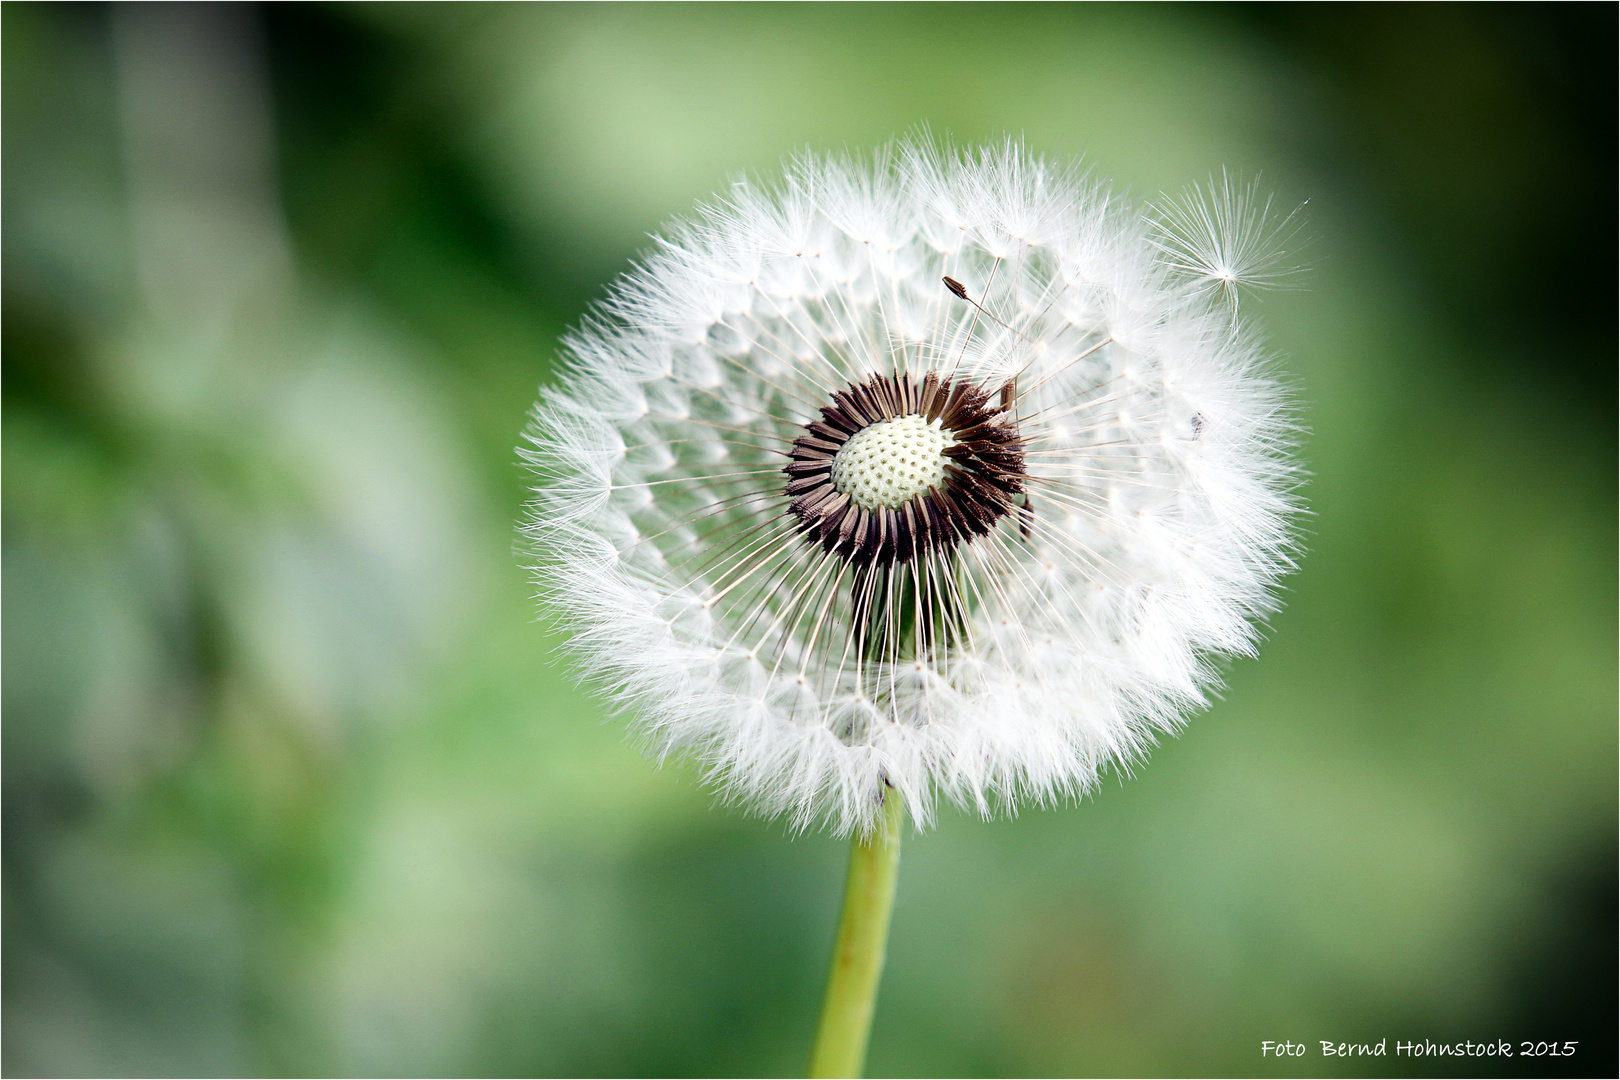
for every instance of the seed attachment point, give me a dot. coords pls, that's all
(898, 467)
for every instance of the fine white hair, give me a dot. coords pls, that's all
(1152, 526)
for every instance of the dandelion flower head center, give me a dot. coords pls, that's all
(892, 461)
(897, 467)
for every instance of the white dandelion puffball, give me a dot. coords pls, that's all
(943, 473)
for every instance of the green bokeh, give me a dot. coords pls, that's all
(296, 783)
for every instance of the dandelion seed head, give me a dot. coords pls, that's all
(939, 473)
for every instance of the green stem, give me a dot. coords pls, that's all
(863, 933)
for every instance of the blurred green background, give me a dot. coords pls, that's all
(294, 782)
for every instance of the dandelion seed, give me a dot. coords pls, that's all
(944, 474)
(1225, 237)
